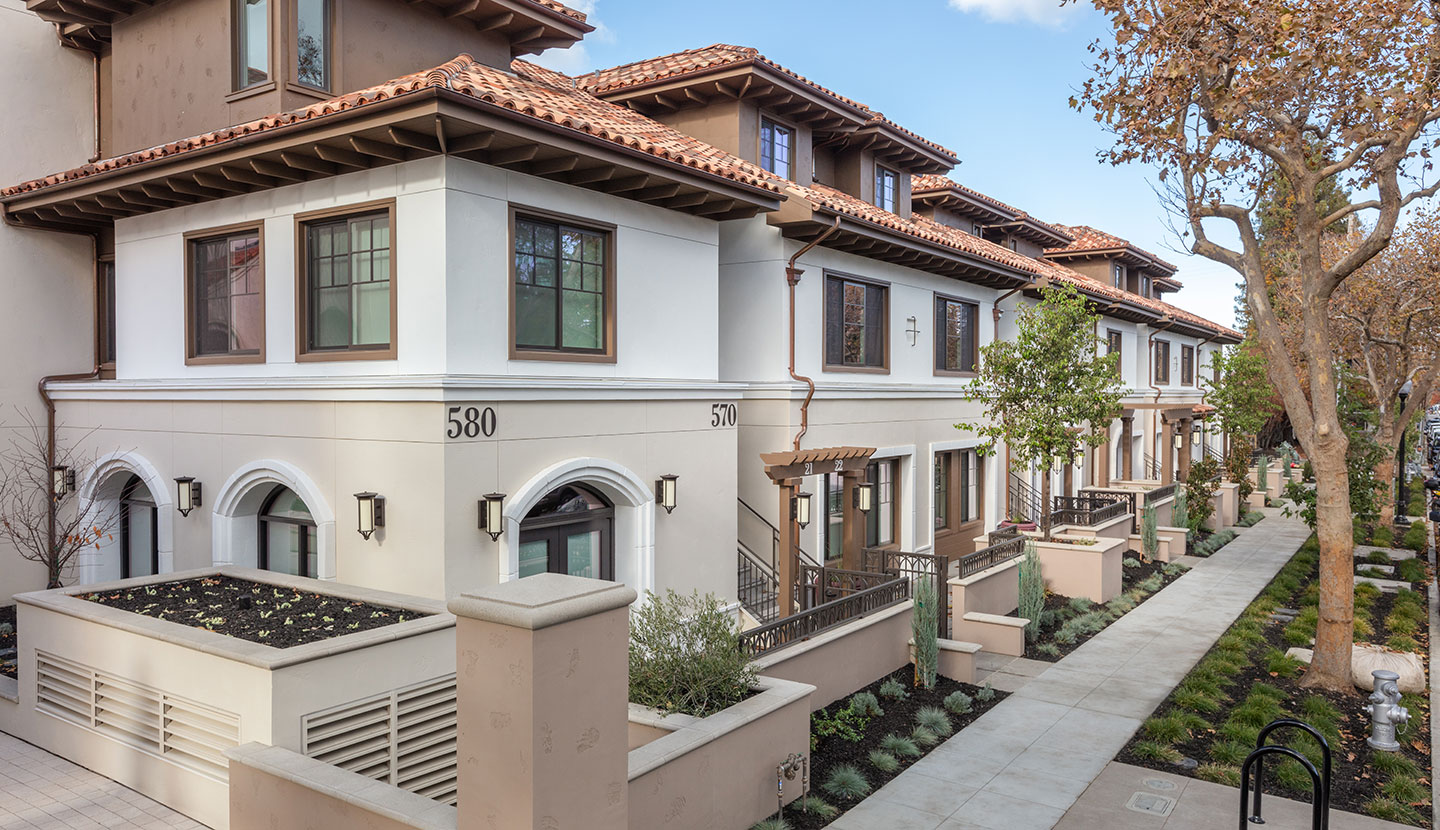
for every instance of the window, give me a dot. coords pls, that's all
(969, 486)
(139, 530)
(1162, 361)
(1015, 244)
(105, 311)
(569, 531)
(312, 43)
(977, 229)
(1145, 287)
(1113, 342)
(287, 535)
(1117, 276)
(886, 185)
(225, 292)
(564, 289)
(880, 521)
(957, 489)
(252, 42)
(1187, 365)
(855, 324)
(956, 335)
(347, 296)
(777, 148)
(942, 491)
(834, 516)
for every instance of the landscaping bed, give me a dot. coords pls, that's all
(274, 615)
(1214, 715)
(1067, 622)
(8, 639)
(847, 737)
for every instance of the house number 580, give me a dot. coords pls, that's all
(470, 421)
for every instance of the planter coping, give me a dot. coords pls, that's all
(995, 619)
(689, 733)
(792, 650)
(981, 576)
(9, 689)
(402, 806)
(1097, 547)
(542, 600)
(65, 601)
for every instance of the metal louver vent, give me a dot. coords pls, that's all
(405, 738)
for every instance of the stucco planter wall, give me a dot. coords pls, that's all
(1230, 496)
(995, 590)
(845, 658)
(1091, 571)
(719, 772)
(1172, 542)
(217, 691)
(1117, 528)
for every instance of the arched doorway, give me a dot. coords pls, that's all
(139, 530)
(571, 530)
(287, 539)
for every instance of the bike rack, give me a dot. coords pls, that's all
(1320, 792)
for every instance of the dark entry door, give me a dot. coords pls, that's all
(570, 531)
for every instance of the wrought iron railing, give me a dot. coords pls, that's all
(1089, 509)
(1004, 551)
(915, 566)
(808, 623)
(1025, 503)
(1002, 534)
(756, 586)
(1152, 467)
(819, 584)
(1163, 492)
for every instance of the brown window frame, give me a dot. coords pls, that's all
(872, 476)
(942, 336)
(331, 56)
(610, 353)
(1187, 365)
(1115, 344)
(794, 132)
(303, 352)
(192, 355)
(943, 498)
(1161, 373)
(107, 348)
(237, 49)
(1118, 277)
(881, 173)
(883, 367)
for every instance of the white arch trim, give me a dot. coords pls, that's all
(234, 527)
(130, 462)
(634, 516)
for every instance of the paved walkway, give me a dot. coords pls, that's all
(1025, 762)
(40, 790)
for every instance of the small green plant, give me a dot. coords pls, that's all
(924, 631)
(1149, 533)
(846, 781)
(1131, 562)
(1394, 764)
(1402, 642)
(817, 805)
(1383, 537)
(935, 720)
(986, 692)
(883, 761)
(6, 629)
(846, 724)
(1410, 570)
(1081, 605)
(1280, 664)
(1032, 592)
(1180, 510)
(1156, 751)
(1388, 809)
(893, 689)
(1048, 649)
(957, 702)
(866, 704)
(899, 746)
(1414, 538)
(1226, 774)
(685, 655)
(924, 737)
(1230, 753)
(772, 823)
(1166, 729)
(1405, 789)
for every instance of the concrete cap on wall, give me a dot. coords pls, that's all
(542, 600)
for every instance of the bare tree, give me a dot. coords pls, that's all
(43, 524)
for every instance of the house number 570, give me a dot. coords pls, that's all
(722, 415)
(470, 421)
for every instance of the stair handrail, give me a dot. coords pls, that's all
(805, 558)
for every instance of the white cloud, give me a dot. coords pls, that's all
(577, 59)
(1048, 12)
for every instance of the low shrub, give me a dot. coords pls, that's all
(1393, 764)
(1150, 584)
(865, 704)
(893, 689)
(1414, 538)
(1230, 752)
(883, 761)
(986, 693)
(1280, 664)
(1405, 789)
(1196, 701)
(1410, 570)
(1174, 726)
(685, 655)
(1130, 562)
(957, 702)
(935, 720)
(772, 823)
(1226, 774)
(1383, 537)
(817, 805)
(1048, 649)
(899, 746)
(1402, 642)
(847, 725)
(924, 737)
(1157, 751)
(1388, 809)
(846, 781)
(1081, 605)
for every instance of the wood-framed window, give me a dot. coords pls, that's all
(105, 314)
(345, 307)
(287, 541)
(1147, 286)
(1114, 341)
(943, 490)
(887, 186)
(957, 336)
(777, 148)
(883, 519)
(251, 24)
(977, 229)
(225, 295)
(1117, 276)
(857, 332)
(1187, 365)
(1162, 361)
(313, 33)
(562, 289)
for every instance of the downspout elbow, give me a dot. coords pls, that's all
(792, 278)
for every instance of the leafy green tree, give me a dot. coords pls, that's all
(1048, 391)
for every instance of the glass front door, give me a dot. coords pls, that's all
(569, 532)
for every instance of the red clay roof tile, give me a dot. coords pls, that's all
(1091, 239)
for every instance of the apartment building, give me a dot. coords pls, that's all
(378, 300)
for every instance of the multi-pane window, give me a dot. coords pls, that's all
(312, 43)
(880, 521)
(252, 42)
(956, 335)
(1113, 341)
(227, 312)
(1162, 361)
(942, 490)
(348, 277)
(854, 323)
(957, 489)
(105, 306)
(777, 148)
(1117, 276)
(1187, 365)
(969, 486)
(561, 282)
(1146, 287)
(886, 185)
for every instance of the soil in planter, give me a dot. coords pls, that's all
(1062, 609)
(898, 719)
(8, 640)
(1244, 682)
(269, 614)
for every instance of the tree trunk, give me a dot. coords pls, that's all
(1335, 632)
(1045, 504)
(1385, 470)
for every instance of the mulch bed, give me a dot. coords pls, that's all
(1061, 607)
(254, 611)
(1357, 781)
(7, 641)
(899, 719)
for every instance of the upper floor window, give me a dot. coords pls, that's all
(957, 334)
(1113, 341)
(563, 290)
(977, 229)
(225, 289)
(886, 185)
(777, 148)
(105, 312)
(1162, 361)
(855, 324)
(347, 301)
(252, 42)
(1117, 276)
(1187, 365)
(1146, 287)
(1015, 244)
(312, 43)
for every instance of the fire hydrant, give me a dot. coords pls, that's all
(1385, 711)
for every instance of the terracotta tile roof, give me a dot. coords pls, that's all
(930, 182)
(690, 62)
(529, 92)
(1095, 287)
(879, 118)
(561, 8)
(1090, 239)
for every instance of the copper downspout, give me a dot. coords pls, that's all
(792, 277)
(95, 104)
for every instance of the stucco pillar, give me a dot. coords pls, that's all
(1102, 463)
(1188, 448)
(786, 568)
(1167, 451)
(542, 683)
(1127, 447)
(852, 529)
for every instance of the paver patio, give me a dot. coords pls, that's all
(1025, 762)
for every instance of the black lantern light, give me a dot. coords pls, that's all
(864, 496)
(492, 514)
(62, 481)
(800, 508)
(187, 494)
(665, 492)
(371, 513)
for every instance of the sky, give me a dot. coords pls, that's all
(990, 79)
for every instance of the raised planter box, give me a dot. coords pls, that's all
(993, 632)
(155, 705)
(1091, 571)
(844, 658)
(995, 590)
(717, 771)
(1172, 541)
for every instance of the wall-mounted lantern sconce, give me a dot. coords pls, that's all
(62, 481)
(665, 492)
(800, 509)
(1179, 441)
(371, 513)
(1197, 434)
(492, 514)
(1079, 459)
(864, 497)
(187, 494)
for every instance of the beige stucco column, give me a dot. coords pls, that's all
(1127, 447)
(1167, 448)
(1187, 450)
(543, 682)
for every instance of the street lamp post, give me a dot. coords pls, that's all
(1401, 501)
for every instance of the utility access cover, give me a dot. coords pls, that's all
(1151, 804)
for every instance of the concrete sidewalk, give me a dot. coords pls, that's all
(1025, 762)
